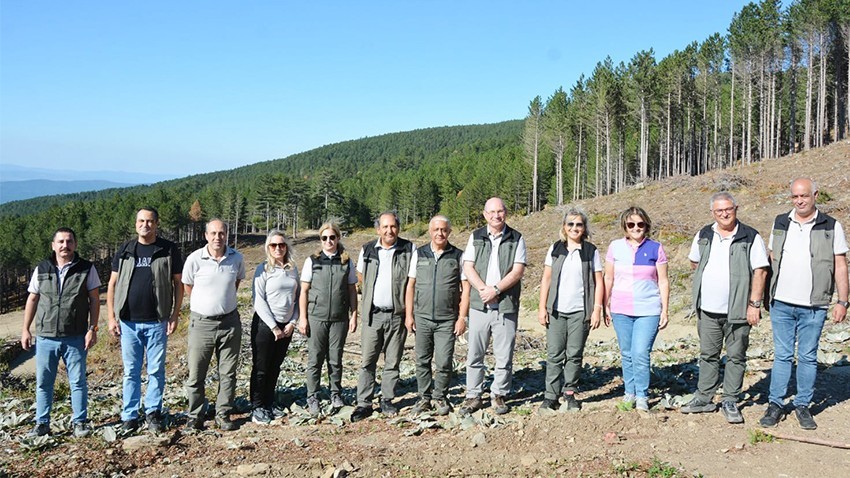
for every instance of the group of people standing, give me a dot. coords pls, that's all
(438, 292)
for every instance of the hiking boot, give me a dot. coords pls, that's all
(442, 407)
(698, 406)
(81, 429)
(642, 404)
(261, 416)
(194, 425)
(360, 413)
(39, 430)
(571, 402)
(548, 404)
(387, 408)
(499, 405)
(224, 423)
(422, 406)
(731, 412)
(154, 421)
(804, 416)
(130, 425)
(772, 415)
(470, 406)
(336, 402)
(313, 407)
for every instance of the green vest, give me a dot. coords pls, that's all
(438, 289)
(740, 270)
(400, 267)
(821, 249)
(559, 255)
(64, 314)
(509, 300)
(163, 287)
(328, 298)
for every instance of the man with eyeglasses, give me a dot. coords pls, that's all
(731, 264)
(211, 276)
(382, 268)
(808, 251)
(494, 262)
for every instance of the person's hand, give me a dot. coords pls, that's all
(488, 294)
(352, 323)
(26, 339)
(91, 339)
(460, 327)
(595, 318)
(410, 324)
(753, 315)
(303, 327)
(172, 324)
(114, 327)
(608, 319)
(289, 329)
(663, 321)
(839, 312)
(543, 317)
(278, 333)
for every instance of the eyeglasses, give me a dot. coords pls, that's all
(728, 210)
(277, 245)
(577, 225)
(632, 225)
(328, 238)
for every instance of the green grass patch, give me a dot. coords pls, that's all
(757, 436)
(662, 469)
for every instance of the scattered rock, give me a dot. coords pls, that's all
(253, 469)
(611, 438)
(528, 460)
(479, 439)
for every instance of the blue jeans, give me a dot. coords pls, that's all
(803, 325)
(636, 336)
(48, 351)
(137, 340)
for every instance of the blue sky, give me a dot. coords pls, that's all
(185, 87)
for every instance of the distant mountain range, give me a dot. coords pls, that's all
(21, 182)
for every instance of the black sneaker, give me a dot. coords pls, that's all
(314, 408)
(731, 412)
(698, 406)
(194, 425)
(224, 423)
(804, 416)
(130, 425)
(360, 413)
(39, 430)
(154, 421)
(470, 406)
(261, 416)
(571, 402)
(548, 404)
(772, 415)
(387, 408)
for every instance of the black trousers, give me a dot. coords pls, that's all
(267, 355)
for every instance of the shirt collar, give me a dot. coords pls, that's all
(793, 216)
(734, 231)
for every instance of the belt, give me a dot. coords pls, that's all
(216, 317)
(385, 310)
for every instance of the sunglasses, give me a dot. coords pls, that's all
(632, 225)
(577, 225)
(328, 238)
(277, 245)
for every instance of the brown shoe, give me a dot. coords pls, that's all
(499, 405)
(470, 406)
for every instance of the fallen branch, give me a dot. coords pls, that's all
(814, 441)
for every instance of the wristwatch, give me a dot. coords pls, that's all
(755, 303)
(843, 303)
(498, 291)
(93, 327)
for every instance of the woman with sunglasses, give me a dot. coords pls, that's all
(275, 296)
(328, 314)
(637, 292)
(571, 295)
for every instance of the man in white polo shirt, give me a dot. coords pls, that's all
(731, 266)
(808, 251)
(211, 276)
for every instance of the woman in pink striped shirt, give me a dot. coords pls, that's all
(637, 293)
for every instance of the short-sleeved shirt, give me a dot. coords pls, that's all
(571, 283)
(307, 271)
(92, 282)
(494, 273)
(794, 283)
(213, 282)
(275, 295)
(714, 290)
(140, 296)
(414, 259)
(383, 292)
(635, 291)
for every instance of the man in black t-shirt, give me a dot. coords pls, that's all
(145, 293)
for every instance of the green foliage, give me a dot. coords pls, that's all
(662, 469)
(758, 436)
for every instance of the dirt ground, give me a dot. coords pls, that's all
(600, 440)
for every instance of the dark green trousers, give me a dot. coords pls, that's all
(386, 333)
(434, 341)
(325, 343)
(714, 329)
(565, 339)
